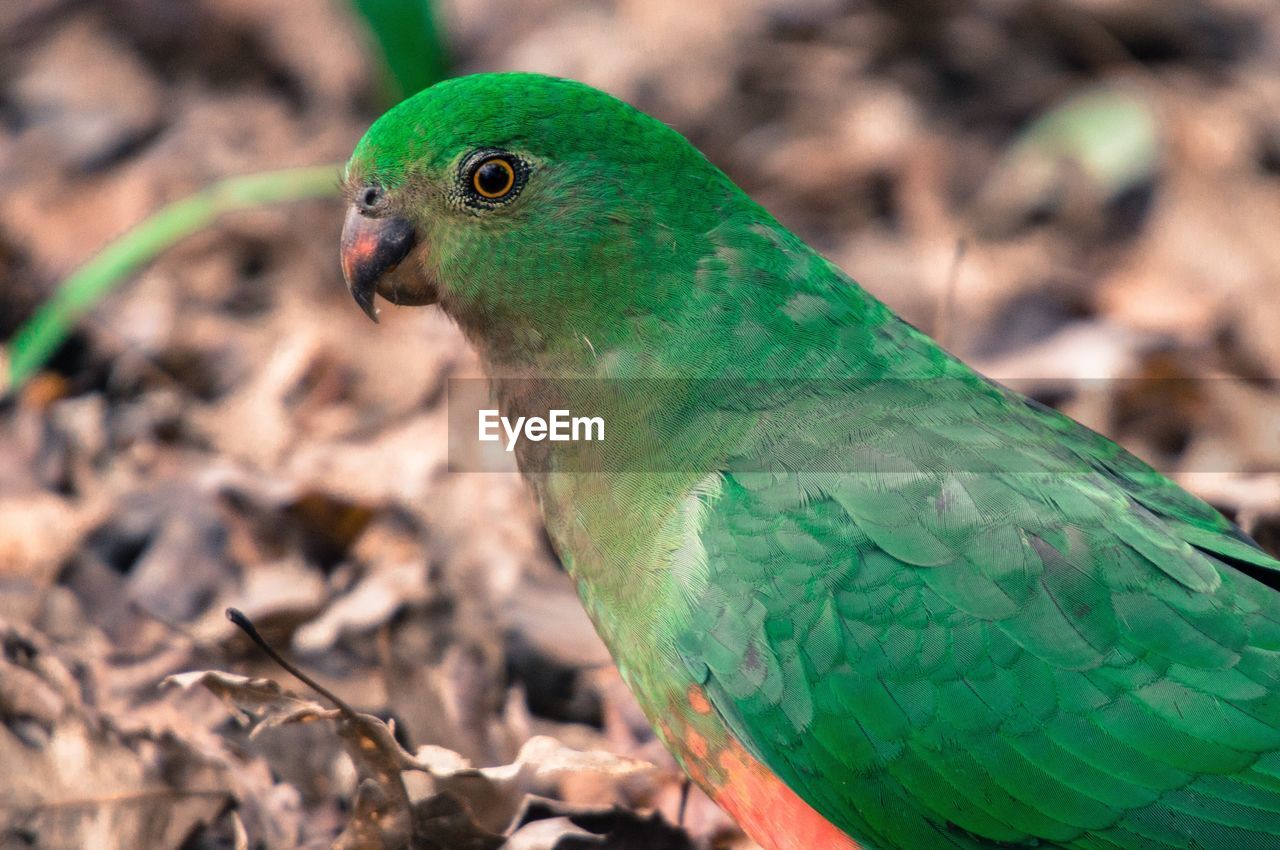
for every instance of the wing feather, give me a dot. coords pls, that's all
(1008, 654)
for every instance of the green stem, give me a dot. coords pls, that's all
(410, 41)
(40, 337)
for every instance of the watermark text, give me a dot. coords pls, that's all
(558, 426)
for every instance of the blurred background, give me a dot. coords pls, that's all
(1081, 197)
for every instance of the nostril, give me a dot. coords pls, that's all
(370, 196)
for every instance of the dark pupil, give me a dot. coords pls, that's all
(493, 178)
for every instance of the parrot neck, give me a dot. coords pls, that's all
(684, 385)
(619, 512)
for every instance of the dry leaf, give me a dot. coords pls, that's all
(251, 698)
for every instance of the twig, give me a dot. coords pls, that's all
(112, 799)
(945, 318)
(246, 626)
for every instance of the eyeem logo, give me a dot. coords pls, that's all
(559, 427)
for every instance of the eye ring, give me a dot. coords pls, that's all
(493, 178)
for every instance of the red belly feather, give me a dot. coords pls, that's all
(767, 810)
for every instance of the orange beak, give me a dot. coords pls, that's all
(372, 250)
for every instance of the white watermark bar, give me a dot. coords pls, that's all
(852, 426)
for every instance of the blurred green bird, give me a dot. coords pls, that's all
(867, 597)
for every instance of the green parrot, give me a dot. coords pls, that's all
(867, 597)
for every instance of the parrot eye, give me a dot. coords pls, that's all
(492, 177)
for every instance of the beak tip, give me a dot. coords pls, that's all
(364, 300)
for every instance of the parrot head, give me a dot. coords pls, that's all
(529, 207)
